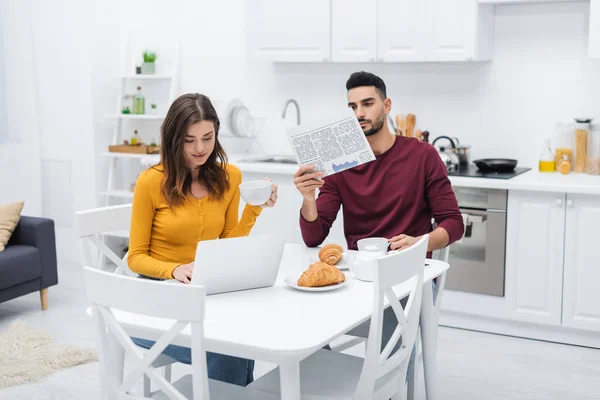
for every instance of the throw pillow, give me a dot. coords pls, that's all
(10, 215)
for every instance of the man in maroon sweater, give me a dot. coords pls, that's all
(395, 196)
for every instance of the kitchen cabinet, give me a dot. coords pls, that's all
(370, 30)
(458, 30)
(400, 35)
(581, 295)
(296, 31)
(353, 30)
(552, 266)
(534, 256)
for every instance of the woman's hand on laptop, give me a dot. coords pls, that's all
(273, 199)
(183, 273)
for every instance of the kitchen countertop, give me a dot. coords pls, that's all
(531, 180)
(536, 181)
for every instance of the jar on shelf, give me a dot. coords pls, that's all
(593, 153)
(582, 129)
(563, 143)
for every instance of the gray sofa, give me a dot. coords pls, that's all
(28, 264)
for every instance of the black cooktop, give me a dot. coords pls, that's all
(472, 172)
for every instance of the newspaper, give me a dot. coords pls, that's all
(332, 145)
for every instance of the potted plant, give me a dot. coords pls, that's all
(148, 66)
(153, 109)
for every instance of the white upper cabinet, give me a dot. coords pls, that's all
(400, 35)
(594, 40)
(353, 30)
(370, 30)
(459, 30)
(297, 31)
(581, 295)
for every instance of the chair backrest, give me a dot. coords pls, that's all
(94, 223)
(443, 255)
(111, 294)
(407, 265)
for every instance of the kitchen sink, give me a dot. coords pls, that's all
(272, 159)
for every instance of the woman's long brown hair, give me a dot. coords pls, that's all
(189, 109)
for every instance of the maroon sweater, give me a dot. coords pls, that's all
(398, 193)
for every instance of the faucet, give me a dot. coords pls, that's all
(285, 107)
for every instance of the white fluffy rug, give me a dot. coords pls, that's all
(28, 355)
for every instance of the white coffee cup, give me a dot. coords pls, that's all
(364, 263)
(256, 193)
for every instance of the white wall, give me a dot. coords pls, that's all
(49, 161)
(20, 175)
(539, 75)
(68, 80)
(62, 31)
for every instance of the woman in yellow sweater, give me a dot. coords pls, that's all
(191, 195)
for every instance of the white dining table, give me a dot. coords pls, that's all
(284, 325)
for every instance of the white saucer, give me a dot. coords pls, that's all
(292, 281)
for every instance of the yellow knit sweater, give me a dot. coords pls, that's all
(162, 238)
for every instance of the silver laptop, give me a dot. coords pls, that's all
(227, 265)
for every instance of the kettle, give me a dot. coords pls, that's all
(448, 155)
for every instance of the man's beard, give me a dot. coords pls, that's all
(376, 127)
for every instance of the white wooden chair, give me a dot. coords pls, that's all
(348, 341)
(436, 305)
(93, 224)
(377, 376)
(130, 296)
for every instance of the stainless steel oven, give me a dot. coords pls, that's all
(477, 261)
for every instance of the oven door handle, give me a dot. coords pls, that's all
(469, 220)
(479, 219)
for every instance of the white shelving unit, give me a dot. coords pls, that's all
(120, 194)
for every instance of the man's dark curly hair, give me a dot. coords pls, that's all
(363, 78)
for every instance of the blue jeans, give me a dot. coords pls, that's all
(229, 369)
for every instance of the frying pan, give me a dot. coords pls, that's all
(495, 164)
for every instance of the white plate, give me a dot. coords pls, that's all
(292, 281)
(343, 264)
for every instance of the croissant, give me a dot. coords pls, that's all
(321, 274)
(331, 254)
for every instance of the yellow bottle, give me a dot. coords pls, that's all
(547, 163)
(134, 138)
(565, 165)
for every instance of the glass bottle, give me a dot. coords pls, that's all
(547, 163)
(139, 102)
(564, 141)
(581, 144)
(565, 165)
(135, 140)
(593, 155)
